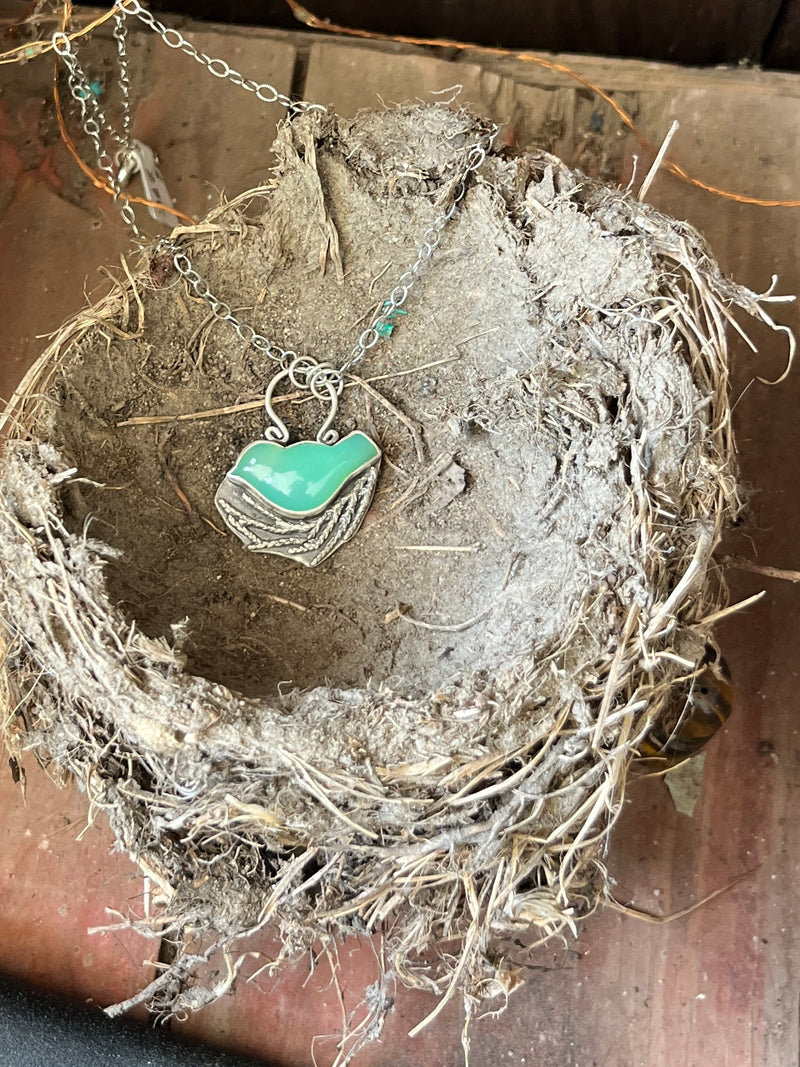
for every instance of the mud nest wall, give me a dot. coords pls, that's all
(428, 735)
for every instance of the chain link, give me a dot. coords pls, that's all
(172, 38)
(268, 94)
(81, 91)
(430, 242)
(121, 37)
(220, 309)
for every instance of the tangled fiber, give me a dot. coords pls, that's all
(430, 735)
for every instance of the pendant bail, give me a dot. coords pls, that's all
(322, 380)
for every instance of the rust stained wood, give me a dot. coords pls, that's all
(54, 889)
(718, 988)
(217, 137)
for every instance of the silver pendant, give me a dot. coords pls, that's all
(302, 500)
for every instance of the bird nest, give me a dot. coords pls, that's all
(429, 735)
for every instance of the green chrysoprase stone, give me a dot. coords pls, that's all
(302, 478)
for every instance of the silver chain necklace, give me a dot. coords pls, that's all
(305, 500)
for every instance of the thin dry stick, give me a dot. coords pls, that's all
(681, 590)
(437, 548)
(723, 613)
(412, 428)
(211, 413)
(254, 405)
(613, 674)
(649, 917)
(761, 568)
(136, 297)
(181, 967)
(654, 169)
(465, 958)
(289, 603)
(452, 628)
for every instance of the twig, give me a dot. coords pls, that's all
(416, 436)
(733, 608)
(454, 628)
(411, 370)
(466, 955)
(173, 481)
(254, 405)
(760, 568)
(437, 548)
(649, 917)
(475, 336)
(232, 409)
(136, 297)
(670, 605)
(288, 603)
(213, 526)
(182, 966)
(610, 689)
(654, 169)
(378, 277)
(196, 333)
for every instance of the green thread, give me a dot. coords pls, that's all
(385, 327)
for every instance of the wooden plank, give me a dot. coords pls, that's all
(630, 75)
(680, 31)
(53, 889)
(220, 141)
(572, 125)
(348, 78)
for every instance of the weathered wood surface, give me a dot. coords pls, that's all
(718, 988)
(681, 31)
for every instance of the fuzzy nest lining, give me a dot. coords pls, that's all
(430, 733)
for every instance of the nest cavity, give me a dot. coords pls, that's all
(428, 735)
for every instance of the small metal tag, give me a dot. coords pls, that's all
(141, 159)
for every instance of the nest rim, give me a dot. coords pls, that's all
(570, 879)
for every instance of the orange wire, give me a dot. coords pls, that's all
(101, 183)
(22, 53)
(305, 16)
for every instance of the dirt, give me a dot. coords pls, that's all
(504, 400)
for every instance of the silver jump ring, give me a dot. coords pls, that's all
(299, 369)
(333, 384)
(324, 376)
(322, 380)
